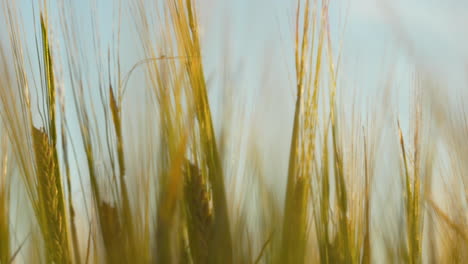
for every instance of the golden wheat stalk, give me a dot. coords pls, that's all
(4, 209)
(308, 64)
(199, 213)
(50, 203)
(187, 30)
(50, 208)
(112, 233)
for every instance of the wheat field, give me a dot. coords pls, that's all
(106, 161)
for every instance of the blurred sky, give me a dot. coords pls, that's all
(252, 40)
(256, 36)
